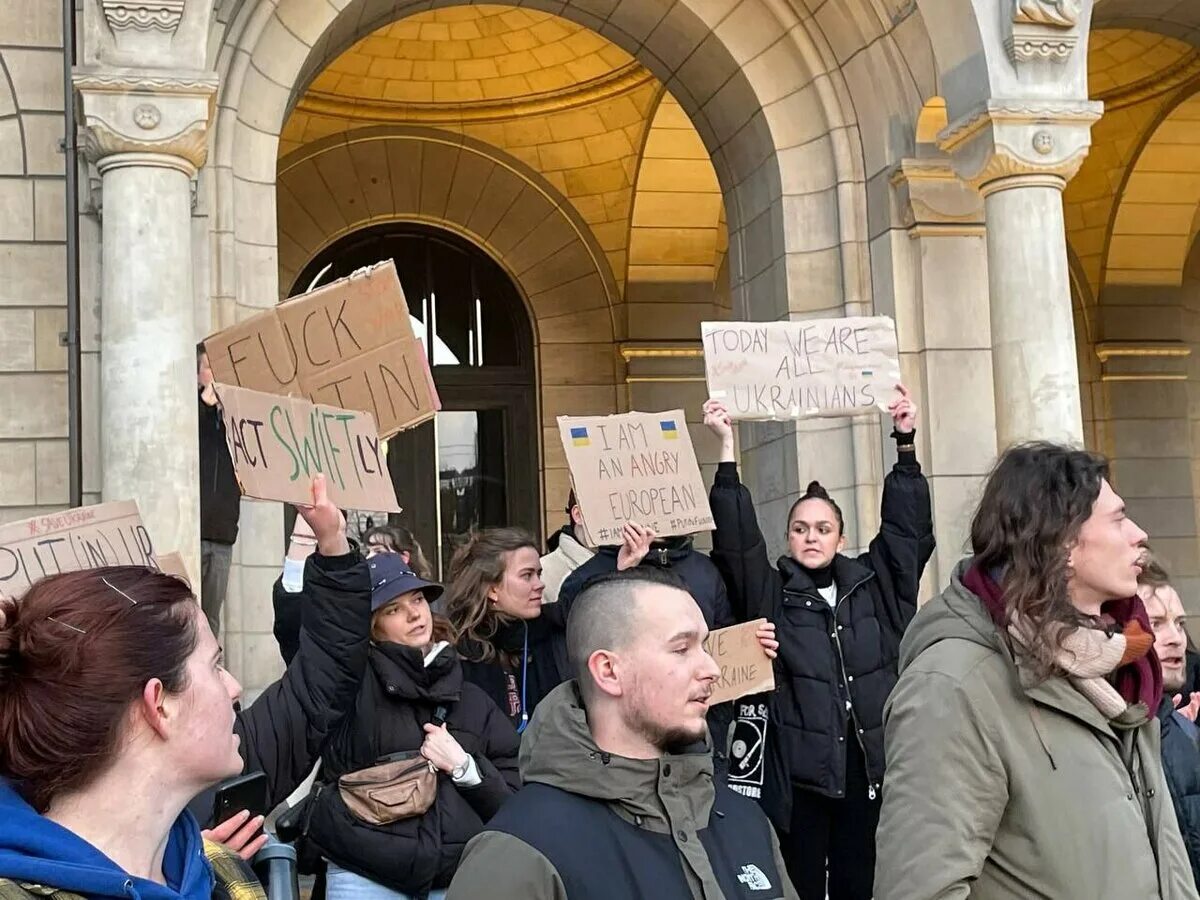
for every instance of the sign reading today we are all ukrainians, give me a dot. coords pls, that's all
(794, 370)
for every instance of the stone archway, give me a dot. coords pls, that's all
(500, 205)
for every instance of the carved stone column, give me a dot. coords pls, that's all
(1020, 155)
(146, 132)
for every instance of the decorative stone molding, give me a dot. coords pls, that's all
(1006, 142)
(931, 199)
(143, 15)
(152, 113)
(1058, 13)
(1043, 30)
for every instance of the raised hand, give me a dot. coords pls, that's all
(720, 423)
(1190, 709)
(326, 520)
(635, 546)
(903, 411)
(767, 640)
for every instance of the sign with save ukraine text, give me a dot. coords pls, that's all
(794, 370)
(635, 467)
(279, 443)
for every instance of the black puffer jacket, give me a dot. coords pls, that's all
(220, 496)
(827, 659)
(399, 696)
(1181, 765)
(677, 556)
(284, 730)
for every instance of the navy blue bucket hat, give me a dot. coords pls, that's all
(391, 577)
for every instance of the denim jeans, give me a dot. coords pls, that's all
(343, 885)
(215, 559)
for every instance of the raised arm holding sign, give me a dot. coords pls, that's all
(794, 370)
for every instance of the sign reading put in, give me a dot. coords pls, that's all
(635, 467)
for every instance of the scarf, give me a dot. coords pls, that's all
(1115, 670)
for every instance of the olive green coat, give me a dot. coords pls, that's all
(1001, 788)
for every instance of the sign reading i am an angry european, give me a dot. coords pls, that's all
(635, 467)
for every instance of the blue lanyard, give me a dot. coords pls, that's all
(524, 675)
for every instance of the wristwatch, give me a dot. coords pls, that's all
(459, 772)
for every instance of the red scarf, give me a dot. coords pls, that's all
(1138, 678)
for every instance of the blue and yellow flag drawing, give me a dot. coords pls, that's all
(579, 437)
(669, 431)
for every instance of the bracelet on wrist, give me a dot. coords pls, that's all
(304, 541)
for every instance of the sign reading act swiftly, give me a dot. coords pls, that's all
(793, 370)
(279, 443)
(349, 344)
(635, 467)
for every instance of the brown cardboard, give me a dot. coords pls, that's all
(795, 370)
(90, 537)
(634, 468)
(745, 666)
(279, 443)
(349, 344)
(172, 564)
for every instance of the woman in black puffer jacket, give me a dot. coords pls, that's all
(839, 621)
(414, 681)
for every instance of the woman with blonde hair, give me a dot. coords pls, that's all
(512, 646)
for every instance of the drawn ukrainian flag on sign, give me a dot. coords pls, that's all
(579, 437)
(669, 431)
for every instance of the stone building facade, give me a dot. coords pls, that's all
(1016, 181)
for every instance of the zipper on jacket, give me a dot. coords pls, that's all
(849, 697)
(837, 643)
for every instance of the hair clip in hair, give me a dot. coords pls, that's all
(119, 591)
(65, 625)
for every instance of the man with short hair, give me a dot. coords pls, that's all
(619, 797)
(1177, 711)
(567, 552)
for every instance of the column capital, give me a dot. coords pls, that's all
(930, 198)
(1009, 143)
(152, 113)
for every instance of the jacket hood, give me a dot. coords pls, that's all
(956, 614)
(35, 850)
(558, 750)
(566, 543)
(402, 672)
(664, 552)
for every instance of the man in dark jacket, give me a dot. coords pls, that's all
(642, 548)
(1177, 711)
(619, 797)
(220, 499)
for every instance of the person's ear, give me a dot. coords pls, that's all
(156, 708)
(841, 543)
(605, 668)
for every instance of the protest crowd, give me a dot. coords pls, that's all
(617, 714)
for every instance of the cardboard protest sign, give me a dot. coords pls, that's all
(745, 667)
(794, 370)
(279, 443)
(349, 344)
(635, 467)
(90, 537)
(172, 564)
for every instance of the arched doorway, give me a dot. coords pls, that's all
(474, 466)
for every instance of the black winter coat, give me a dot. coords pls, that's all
(220, 496)
(1181, 765)
(537, 651)
(399, 696)
(677, 556)
(835, 668)
(284, 730)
